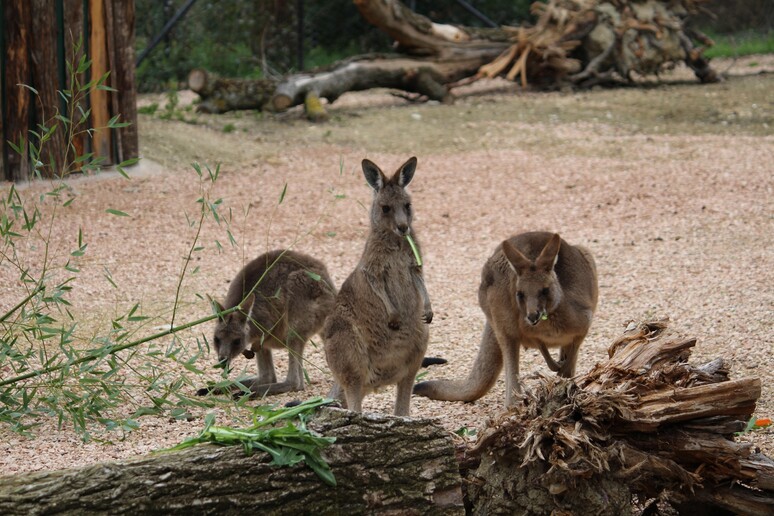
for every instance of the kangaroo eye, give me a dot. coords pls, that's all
(544, 292)
(385, 209)
(520, 295)
(408, 206)
(217, 342)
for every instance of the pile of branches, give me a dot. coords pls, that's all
(575, 43)
(588, 42)
(645, 427)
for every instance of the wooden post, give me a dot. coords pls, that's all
(99, 99)
(46, 82)
(122, 78)
(17, 72)
(74, 35)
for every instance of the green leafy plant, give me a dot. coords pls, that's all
(287, 444)
(51, 363)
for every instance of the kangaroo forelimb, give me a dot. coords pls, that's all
(393, 320)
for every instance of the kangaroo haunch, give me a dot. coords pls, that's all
(536, 291)
(377, 333)
(285, 297)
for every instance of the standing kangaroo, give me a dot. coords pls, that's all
(536, 291)
(292, 294)
(377, 333)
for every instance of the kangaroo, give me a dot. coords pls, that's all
(536, 291)
(287, 295)
(377, 333)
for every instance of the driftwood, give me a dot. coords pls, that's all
(381, 464)
(645, 425)
(578, 43)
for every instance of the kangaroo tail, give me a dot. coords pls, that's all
(486, 369)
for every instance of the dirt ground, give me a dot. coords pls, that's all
(669, 185)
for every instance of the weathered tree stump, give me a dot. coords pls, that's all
(643, 426)
(381, 465)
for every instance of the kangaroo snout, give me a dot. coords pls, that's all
(402, 229)
(534, 318)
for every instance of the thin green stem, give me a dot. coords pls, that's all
(115, 349)
(21, 303)
(188, 260)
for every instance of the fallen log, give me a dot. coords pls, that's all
(381, 464)
(220, 95)
(643, 426)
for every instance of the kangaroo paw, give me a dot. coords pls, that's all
(428, 316)
(394, 322)
(428, 361)
(204, 391)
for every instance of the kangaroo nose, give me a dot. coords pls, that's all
(403, 228)
(533, 318)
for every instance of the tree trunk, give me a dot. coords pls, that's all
(45, 80)
(381, 465)
(645, 423)
(17, 27)
(74, 39)
(122, 77)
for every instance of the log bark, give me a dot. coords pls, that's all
(644, 424)
(220, 95)
(74, 41)
(122, 76)
(45, 80)
(18, 23)
(381, 464)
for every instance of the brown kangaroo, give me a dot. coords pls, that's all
(377, 333)
(287, 295)
(536, 291)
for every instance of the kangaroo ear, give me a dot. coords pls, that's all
(246, 306)
(550, 253)
(405, 173)
(216, 307)
(373, 174)
(518, 261)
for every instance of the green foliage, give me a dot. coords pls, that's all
(741, 44)
(53, 365)
(287, 445)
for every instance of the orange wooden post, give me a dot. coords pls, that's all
(99, 99)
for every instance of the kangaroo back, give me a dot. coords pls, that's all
(285, 297)
(377, 335)
(537, 291)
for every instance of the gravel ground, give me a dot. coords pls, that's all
(669, 185)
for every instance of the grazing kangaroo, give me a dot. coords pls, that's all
(377, 333)
(536, 291)
(292, 294)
